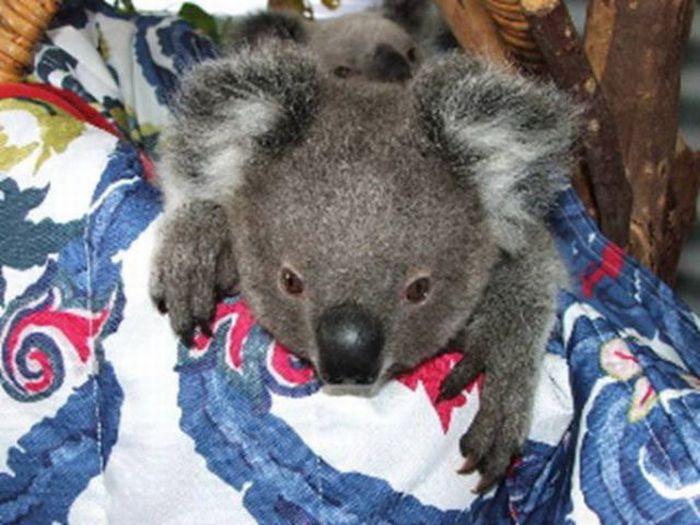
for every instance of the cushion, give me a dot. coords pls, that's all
(106, 418)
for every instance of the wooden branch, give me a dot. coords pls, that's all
(600, 21)
(553, 31)
(581, 182)
(684, 185)
(474, 29)
(635, 50)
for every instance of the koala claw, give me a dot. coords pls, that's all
(489, 447)
(463, 373)
(470, 465)
(486, 481)
(193, 265)
(485, 484)
(205, 328)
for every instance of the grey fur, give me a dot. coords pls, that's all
(409, 14)
(423, 21)
(364, 189)
(255, 28)
(387, 43)
(194, 266)
(225, 111)
(511, 132)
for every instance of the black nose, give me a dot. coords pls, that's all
(389, 65)
(350, 341)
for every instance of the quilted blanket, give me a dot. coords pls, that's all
(106, 418)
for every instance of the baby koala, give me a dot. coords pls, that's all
(368, 224)
(386, 43)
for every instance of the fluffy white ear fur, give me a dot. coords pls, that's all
(230, 144)
(228, 108)
(511, 136)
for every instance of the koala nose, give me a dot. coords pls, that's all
(389, 65)
(350, 341)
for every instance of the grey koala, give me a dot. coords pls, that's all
(369, 224)
(387, 43)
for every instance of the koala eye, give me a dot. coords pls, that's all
(417, 292)
(411, 54)
(342, 72)
(291, 282)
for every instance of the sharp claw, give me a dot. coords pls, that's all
(445, 392)
(162, 307)
(485, 484)
(224, 293)
(442, 395)
(469, 465)
(205, 328)
(187, 340)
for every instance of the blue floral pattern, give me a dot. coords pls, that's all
(627, 350)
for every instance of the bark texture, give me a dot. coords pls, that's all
(556, 37)
(635, 49)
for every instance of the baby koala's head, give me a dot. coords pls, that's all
(378, 44)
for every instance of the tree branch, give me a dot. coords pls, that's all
(635, 49)
(554, 33)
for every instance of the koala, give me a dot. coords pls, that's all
(385, 44)
(369, 224)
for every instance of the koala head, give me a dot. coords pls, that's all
(366, 217)
(366, 45)
(374, 44)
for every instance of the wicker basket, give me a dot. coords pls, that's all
(22, 23)
(514, 30)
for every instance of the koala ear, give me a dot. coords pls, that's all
(257, 27)
(503, 134)
(254, 101)
(409, 14)
(266, 94)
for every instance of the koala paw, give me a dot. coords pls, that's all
(497, 433)
(490, 445)
(193, 267)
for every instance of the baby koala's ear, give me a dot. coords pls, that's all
(508, 136)
(256, 28)
(409, 14)
(253, 102)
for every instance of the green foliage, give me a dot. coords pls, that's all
(57, 129)
(125, 5)
(200, 20)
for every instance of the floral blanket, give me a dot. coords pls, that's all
(104, 418)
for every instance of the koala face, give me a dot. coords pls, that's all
(356, 250)
(366, 218)
(372, 44)
(367, 45)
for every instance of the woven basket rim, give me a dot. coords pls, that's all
(22, 25)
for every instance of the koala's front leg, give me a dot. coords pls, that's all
(193, 266)
(506, 338)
